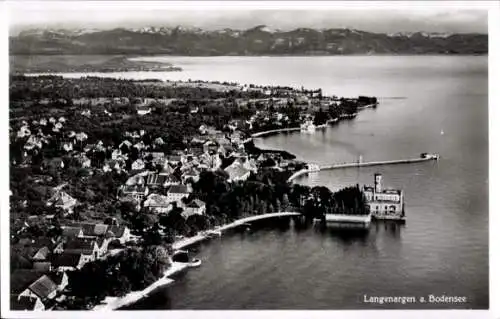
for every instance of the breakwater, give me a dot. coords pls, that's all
(375, 163)
(362, 164)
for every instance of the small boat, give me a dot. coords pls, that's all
(430, 156)
(195, 263)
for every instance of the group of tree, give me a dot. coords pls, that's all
(131, 270)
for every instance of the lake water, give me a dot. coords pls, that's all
(427, 104)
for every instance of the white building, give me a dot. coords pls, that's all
(384, 203)
(138, 165)
(157, 203)
(177, 192)
(143, 110)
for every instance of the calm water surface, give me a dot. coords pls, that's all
(441, 107)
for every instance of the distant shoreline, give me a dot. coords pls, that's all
(25, 64)
(134, 55)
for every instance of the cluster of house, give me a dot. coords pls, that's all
(42, 274)
(157, 181)
(170, 185)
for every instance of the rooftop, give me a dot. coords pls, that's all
(66, 259)
(23, 278)
(178, 189)
(43, 287)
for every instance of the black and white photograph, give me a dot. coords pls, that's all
(246, 156)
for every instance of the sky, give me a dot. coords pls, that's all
(382, 17)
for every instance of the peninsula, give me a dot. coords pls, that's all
(109, 177)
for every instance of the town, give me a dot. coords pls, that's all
(106, 175)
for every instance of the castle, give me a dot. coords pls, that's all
(384, 203)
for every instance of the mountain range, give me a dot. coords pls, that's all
(259, 40)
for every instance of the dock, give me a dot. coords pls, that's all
(376, 163)
(429, 157)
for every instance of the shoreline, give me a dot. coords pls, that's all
(114, 303)
(185, 242)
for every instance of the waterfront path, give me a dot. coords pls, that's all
(362, 164)
(200, 237)
(113, 303)
(290, 129)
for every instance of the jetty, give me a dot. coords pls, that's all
(376, 163)
(423, 158)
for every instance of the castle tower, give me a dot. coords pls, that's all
(378, 183)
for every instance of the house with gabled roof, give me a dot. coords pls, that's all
(237, 172)
(68, 261)
(155, 180)
(102, 244)
(92, 230)
(120, 232)
(85, 246)
(177, 192)
(140, 146)
(192, 174)
(138, 179)
(43, 288)
(86, 113)
(60, 278)
(117, 153)
(81, 136)
(138, 165)
(157, 203)
(41, 254)
(195, 207)
(72, 232)
(125, 144)
(195, 151)
(167, 169)
(83, 160)
(111, 165)
(250, 165)
(170, 180)
(62, 200)
(33, 142)
(173, 160)
(157, 158)
(55, 163)
(138, 192)
(158, 141)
